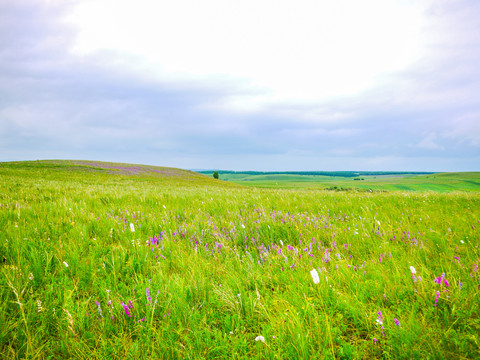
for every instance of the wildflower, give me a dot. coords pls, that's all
(412, 269)
(436, 298)
(315, 277)
(397, 322)
(99, 308)
(132, 227)
(126, 309)
(440, 279)
(148, 296)
(260, 338)
(380, 318)
(39, 306)
(30, 277)
(65, 263)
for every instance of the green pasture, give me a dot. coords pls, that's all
(120, 261)
(439, 182)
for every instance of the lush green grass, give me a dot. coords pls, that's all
(440, 182)
(224, 264)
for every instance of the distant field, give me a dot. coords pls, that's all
(119, 261)
(438, 182)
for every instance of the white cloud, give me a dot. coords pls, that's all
(282, 50)
(428, 142)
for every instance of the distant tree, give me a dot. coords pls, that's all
(215, 174)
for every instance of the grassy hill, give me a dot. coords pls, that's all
(110, 261)
(96, 171)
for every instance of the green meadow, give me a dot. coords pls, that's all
(438, 182)
(113, 261)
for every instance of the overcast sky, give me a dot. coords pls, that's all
(243, 85)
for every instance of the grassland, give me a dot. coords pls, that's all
(102, 260)
(439, 182)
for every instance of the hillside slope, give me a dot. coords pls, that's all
(85, 170)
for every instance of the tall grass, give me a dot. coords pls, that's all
(209, 268)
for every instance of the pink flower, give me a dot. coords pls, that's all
(380, 318)
(126, 309)
(436, 299)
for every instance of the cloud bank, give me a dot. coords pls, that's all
(229, 85)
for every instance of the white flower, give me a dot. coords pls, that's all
(315, 277)
(281, 242)
(65, 263)
(412, 269)
(132, 227)
(379, 322)
(39, 306)
(260, 338)
(462, 242)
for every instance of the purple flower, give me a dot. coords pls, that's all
(397, 322)
(440, 279)
(436, 298)
(99, 308)
(126, 309)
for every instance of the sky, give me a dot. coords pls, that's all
(269, 85)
